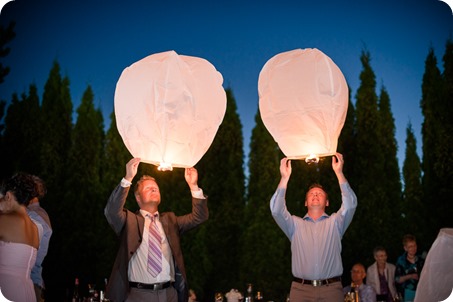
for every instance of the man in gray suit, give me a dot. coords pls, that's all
(131, 278)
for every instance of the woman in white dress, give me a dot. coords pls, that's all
(19, 239)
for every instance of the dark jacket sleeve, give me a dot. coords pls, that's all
(114, 210)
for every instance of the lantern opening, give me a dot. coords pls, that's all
(165, 167)
(312, 159)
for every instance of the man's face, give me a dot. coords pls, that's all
(358, 274)
(316, 198)
(148, 192)
(411, 248)
(380, 257)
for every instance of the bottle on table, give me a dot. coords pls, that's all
(249, 296)
(356, 292)
(76, 292)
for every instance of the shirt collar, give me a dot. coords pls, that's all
(323, 216)
(33, 205)
(146, 213)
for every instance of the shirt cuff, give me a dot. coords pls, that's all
(125, 183)
(198, 194)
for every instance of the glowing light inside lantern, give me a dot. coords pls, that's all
(312, 159)
(165, 167)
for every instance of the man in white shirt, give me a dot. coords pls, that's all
(132, 279)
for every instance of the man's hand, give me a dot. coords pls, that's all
(337, 163)
(191, 176)
(337, 166)
(285, 172)
(131, 169)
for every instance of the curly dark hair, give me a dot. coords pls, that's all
(23, 186)
(41, 189)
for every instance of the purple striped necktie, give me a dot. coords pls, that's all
(154, 248)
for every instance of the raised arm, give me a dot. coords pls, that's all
(131, 169)
(337, 166)
(285, 172)
(191, 176)
(113, 211)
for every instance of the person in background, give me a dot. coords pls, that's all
(149, 265)
(408, 268)
(39, 215)
(315, 238)
(381, 276)
(366, 292)
(19, 239)
(192, 296)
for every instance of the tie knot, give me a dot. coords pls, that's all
(153, 217)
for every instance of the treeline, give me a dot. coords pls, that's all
(240, 243)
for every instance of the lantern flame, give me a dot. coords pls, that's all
(313, 158)
(165, 167)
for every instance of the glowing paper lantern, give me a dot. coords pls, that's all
(168, 108)
(303, 102)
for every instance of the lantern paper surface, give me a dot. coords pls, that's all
(303, 101)
(168, 108)
(436, 277)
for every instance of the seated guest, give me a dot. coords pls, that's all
(366, 292)
(408, 268)
(381, 276)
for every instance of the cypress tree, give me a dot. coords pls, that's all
(13, 137)
(86, 202)
(413, 209)
(6, 35)
(114, 158)
(367, 227)
(265, 257)
(346, 141)
(23, 134)
(221, 172)
(347, 147)
(391, 182)
(57, 114)
(54, 157)
(444, 165)
(431, 136)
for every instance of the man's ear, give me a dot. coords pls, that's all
(9, 196)
(327, 202)
(137, 198)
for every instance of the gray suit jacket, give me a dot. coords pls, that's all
(129, 227)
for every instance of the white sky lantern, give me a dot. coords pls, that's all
(303, 101)
(168, 108)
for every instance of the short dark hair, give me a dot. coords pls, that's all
(359, 264)
(319, 186)
(22, 186)
(378, 249)
(408, 238)
(141, 180)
